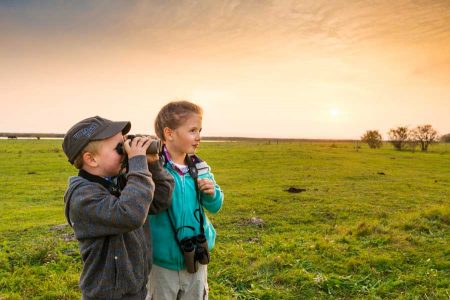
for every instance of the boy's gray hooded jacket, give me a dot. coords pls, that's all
(113, 232)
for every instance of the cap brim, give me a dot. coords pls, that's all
(113, 129)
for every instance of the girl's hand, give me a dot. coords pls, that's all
(206, 186)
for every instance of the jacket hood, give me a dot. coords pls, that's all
(74, 182)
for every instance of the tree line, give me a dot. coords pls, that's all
(402, 137)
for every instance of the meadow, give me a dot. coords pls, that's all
(301, 220)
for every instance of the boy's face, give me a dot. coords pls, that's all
(186, 138)
(108, 160)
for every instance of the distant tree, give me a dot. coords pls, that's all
(372, 138)
(425, 135)
(412, 144)
(399, 136)
(445, 138)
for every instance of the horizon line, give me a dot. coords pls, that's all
(16, 135)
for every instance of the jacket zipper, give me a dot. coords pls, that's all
(180, 263)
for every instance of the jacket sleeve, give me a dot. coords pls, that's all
(164, 184)
(212, 203)
(94, 212)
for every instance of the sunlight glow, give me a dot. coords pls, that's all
(334, 112)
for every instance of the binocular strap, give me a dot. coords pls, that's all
(194, 174)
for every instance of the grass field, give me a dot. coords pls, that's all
(371, 224)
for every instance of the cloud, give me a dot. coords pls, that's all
(164, 25)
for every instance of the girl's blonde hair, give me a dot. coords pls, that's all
(173, 115)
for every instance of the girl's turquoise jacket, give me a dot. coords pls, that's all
(166, 252)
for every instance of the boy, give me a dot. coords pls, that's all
(110, 223)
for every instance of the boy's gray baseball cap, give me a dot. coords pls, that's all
(90, 129)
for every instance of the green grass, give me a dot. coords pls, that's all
(372, 224)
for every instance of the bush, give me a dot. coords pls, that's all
(372, 138)
(399, 137)
(445, 138)
(425, 135)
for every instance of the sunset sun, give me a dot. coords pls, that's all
(335, 112)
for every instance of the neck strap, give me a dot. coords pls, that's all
(190, 162)
(110, 186)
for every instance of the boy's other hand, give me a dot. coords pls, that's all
(152, 158)
(206, 186)
(138, 146)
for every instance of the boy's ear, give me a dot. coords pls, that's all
(89, 159)
(168, 134)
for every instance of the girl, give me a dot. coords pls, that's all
(183, 236)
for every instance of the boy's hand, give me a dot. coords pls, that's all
(206, 186)
(138, 146)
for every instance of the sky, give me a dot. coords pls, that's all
(328, 69)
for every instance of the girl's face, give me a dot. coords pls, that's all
(186, 138)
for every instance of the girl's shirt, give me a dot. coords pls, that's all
(184, 214)
(182, 168)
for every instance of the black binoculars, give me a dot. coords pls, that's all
(195, 251)
(154, 148)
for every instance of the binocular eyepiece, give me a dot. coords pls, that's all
(195, 251)
(154, 148)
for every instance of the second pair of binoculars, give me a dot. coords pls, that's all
(195, 251)
(154, 148)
